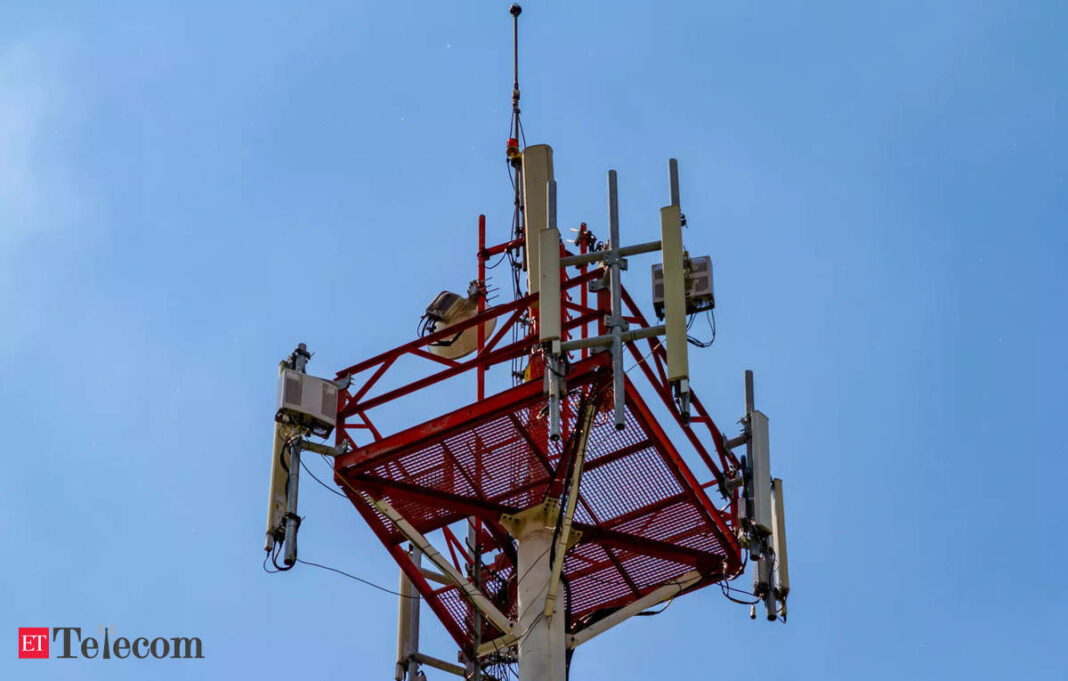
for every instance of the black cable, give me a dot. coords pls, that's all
(559, 374)
(536, 561)
(316, 478)
(588, 399)
(522, 133)
(358, 579)
(283, 460)
(711, 319)
(499, 261)
(645, 357)
(726, 585)
(515, 173)
(650, 613)
(493, 572)
(274, 559)
(530, 629)
(572, 445)
(727, 595)
(267, 555)
(726, 588)
(426, 326)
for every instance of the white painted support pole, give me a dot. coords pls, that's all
(404, 625)
(435, 577)
(413, 623)
(542, 644)
(473, 672)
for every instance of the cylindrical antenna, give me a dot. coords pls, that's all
(613, 209)
(289, 556)
(550, 204)
(673, 179)
(615, 320)
(749, 399)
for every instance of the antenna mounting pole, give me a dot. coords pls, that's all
(515, 10)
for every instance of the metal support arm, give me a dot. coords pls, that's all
(564, 533)
(607, 339)
(473, 595)
(606, 255)
(319, 448)
(439, 664)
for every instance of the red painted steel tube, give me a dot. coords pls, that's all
(494, 405)
(496, 357)
(480, 389)
(354, 467)
(501, 248)
(491, 313)
(583, 298)
(465, 506)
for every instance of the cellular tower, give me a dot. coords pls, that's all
(558, 503)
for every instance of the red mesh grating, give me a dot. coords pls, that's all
(645, 521)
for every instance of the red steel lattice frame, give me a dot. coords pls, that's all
(644, 518)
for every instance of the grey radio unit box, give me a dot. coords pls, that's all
(307, 402)
(700, 295)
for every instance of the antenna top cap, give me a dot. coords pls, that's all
(515, 10)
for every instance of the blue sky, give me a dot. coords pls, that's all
(882, 187)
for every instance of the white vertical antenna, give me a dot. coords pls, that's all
(537, 172)
(778, 533)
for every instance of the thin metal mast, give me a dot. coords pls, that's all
(515, 11)
(515, 128)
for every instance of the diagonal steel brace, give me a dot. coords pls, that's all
(589, 411)
(473, 595)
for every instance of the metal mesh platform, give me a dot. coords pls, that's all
(644, 518)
